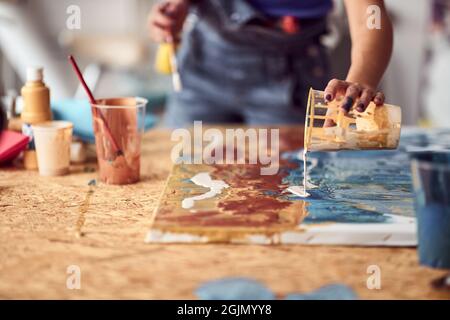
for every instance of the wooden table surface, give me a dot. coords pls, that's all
(38, 242)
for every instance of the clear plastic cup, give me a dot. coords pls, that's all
(118, 127)
(327, 128)
(52, 140)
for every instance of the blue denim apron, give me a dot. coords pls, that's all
(236, 69)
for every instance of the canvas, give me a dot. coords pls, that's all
(362, 198)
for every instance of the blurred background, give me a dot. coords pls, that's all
(117, 57)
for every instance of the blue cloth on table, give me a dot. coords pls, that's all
(234, 289)
(329, 292)
(241, 288)
(79, 113)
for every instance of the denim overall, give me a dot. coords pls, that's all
(236, 69)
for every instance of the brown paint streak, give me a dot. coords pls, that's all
(243, 206)
(264, 205)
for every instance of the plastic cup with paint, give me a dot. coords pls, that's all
(118, 128)
(431, 180)
(327, 128)
(52, 140)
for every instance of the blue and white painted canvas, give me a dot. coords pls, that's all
(361, 198)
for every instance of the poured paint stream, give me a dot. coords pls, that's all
(203, 179)
(301, 191)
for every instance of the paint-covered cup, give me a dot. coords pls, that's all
(52, 140)
(327, 128)
(118, 127)
(431, 181)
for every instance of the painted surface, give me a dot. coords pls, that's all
(355, 186)
(203, 179)
(361, 198)
(248, 205)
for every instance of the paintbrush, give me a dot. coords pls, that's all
(166, 63)
(176, 79)
(98, 115)
(172, 44)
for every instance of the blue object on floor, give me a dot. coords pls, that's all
(329, 292)
(241, 288)
(79, 113)
(234, 289)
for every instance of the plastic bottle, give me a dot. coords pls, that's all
(36, 109)
(36, 98)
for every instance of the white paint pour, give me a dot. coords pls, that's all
(305, 173)
(301, 191)
(203, 179)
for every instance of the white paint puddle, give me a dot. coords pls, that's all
(203, 179)
(298, 191)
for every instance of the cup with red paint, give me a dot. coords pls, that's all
(118, 127)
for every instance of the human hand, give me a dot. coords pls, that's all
(351, 93)
(166, 20)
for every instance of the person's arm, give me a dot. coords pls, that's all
(166, 20)
(371, 52)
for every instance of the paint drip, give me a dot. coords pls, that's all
(301, 191)
(203, 179)
(84, 207)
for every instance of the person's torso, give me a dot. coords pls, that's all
(295, 8)
(241, 24)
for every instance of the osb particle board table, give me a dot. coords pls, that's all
(38, 219)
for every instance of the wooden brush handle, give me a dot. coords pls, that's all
(93, 102)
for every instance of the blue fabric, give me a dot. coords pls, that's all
(236, 69)
(234, 289)
(241, 288)
(329, 292)
(296, 8)
(79, 113)
(224, 81)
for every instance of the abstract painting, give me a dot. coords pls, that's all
(362, 198)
